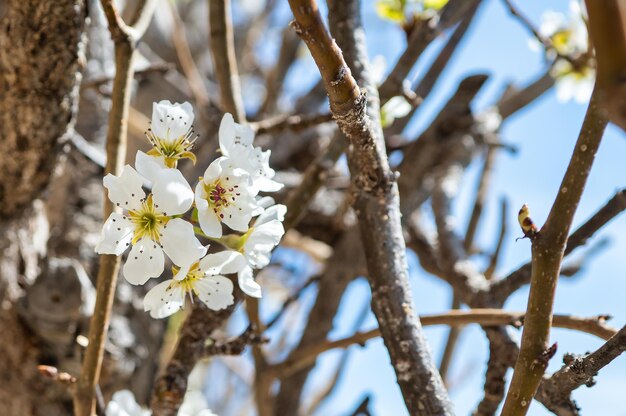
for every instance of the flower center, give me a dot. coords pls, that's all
(188, 283)
(147, 220)
(220, 195)
(172, 150)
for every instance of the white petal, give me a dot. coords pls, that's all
(123, 403)
(225, 262)
(180, 243)
(214, 170)
(234, 137)
(236, 218)
(145, 260)
(265, 184)
(171, 193)
(247, 283)
(209, 222)
(149, 167)
(116, 235)
(275, 212)
(125, 190)
(216, 292)
(171, 121)
(161, 302)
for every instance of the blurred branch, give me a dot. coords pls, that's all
(276, 76)
(290, 300)
(422, 34)
(224, 60)
(100, 81)
(555, 391)
(493, 262)
(262, 380)
(185, 58)
(125, 39)
(293, 123)
(515, 100)
(299, 198)
(548, 247)
(485, 317)
(428, 81)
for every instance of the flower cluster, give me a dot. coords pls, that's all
(167, 220)
(568, 37)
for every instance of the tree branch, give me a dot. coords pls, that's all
(547, 253)
(501, 289)
(376, 204)
(125, 39)
(554, 391)
(223, 49)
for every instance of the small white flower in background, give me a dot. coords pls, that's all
(225, 194)
(195, 404)
(171, 132)
(236, 144)
(123, 403)
(148, 222)
(396, 107)
(202, 279)
(568, 37)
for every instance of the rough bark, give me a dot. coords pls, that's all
(41, 52)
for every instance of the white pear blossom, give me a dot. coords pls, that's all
(148, 223)
(256, 247)
(171, 132)
(123, 403)
(568, 37)
(396, 107)
(236, 144)
(202, 279)
(225, 194)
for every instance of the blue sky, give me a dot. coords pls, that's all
(545, 133)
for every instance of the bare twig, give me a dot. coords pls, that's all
(547, 252)
(125, 39)
(276, 77)
(294, 123)
(516, 100)
(223, 49)
(428, 81)
(100, 81)
(554, 391)
(290, 300)
(493, 262)
(503, 288)
(185, 58)
(234, 346)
